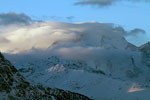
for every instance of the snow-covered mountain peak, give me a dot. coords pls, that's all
(57, 68)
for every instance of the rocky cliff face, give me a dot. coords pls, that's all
(13, 86)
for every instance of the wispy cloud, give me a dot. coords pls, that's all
(102, 3)
(13, 18)
(136, 31)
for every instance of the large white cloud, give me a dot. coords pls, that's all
(44, 35)
(16, 38)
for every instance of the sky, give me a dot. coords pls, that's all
(128, 14)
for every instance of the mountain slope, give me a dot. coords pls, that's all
(13, 86)
(117, 74)
(145, 50)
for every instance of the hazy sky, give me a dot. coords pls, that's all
(128, 13)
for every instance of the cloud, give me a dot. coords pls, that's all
(18, 33)
(91, 54)
(102, 3)
(84, 41)
(13, 18)
(3, 40)
(53, 35)
(70, 18)
(136, 31)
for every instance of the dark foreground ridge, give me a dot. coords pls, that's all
(13, 86)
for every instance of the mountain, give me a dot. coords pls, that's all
(145, 50)
(119, 74)
(93, 59)
(100, 65)
(13, 86)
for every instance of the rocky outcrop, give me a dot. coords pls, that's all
(145, 49)
(13, 86)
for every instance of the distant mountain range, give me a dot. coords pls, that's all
(120, 74)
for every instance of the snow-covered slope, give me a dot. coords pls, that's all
(117, 75)
(13, 86)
